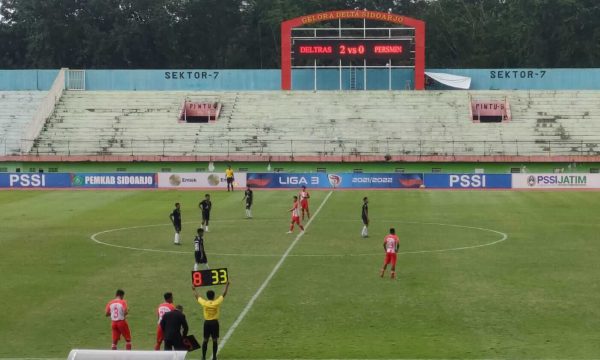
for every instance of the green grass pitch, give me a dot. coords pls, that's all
(534, 295)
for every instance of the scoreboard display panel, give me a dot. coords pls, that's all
(210, 277)
(352, 49)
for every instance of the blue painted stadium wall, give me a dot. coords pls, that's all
(182, 79)
(14, 80)
(302, 79)
(529, 79)
(327, 79)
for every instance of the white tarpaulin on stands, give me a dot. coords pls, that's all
(454, 81)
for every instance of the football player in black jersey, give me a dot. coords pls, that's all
(205, 205)
(365, 217)
(199, 253)
(176, 220)
(249, 197)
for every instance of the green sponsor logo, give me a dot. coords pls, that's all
(77, 180)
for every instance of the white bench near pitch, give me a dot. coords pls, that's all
(81, 354)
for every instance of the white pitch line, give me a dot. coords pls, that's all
(242, 315)
(503, 238)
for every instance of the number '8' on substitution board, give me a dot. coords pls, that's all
(209, 277)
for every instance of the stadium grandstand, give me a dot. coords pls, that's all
(321, 114)
(321, 124)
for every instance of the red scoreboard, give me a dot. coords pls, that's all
(352, 49)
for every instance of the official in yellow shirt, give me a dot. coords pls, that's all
(211, 308)
(229, 177)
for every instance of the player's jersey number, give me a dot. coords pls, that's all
(117, 312)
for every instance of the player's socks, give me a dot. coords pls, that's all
(157, 347)
(195, 266)
(206, 228)
(393, 275)
(113, 347)
(204, 348)
(207, 267)
(176, 241)
(381, 272)
(128, 346)
(215, 348)
(301, 227)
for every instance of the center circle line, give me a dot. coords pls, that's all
(504, 236)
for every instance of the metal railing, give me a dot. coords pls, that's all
(297, 147)
(75, 80)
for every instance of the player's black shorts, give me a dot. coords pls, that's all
(200, 257)
(211, 329)
(230, 180)
(206, 215)
(177, 226)
(248, 204)
(365, 220)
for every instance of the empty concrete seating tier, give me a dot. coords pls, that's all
(16, 112)
(323, 123)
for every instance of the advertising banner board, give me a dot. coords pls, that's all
(113, 180)
(339, 180)
(199, 180)
(556, 181)
(35, 180)
(468, 181)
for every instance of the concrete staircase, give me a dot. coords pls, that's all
(16, 111)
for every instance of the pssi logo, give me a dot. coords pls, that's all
(334, 180)
(27, 180)
(468, 181)
(531, 180)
